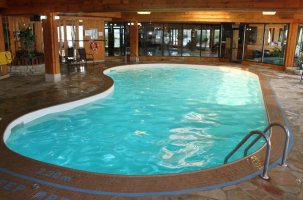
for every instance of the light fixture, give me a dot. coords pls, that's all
(269, 12)
(43, 17)
(80, 20)
(57, 17)
(143, 12)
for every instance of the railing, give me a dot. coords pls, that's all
(286, 143)
(268, 146)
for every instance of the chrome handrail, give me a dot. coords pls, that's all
(286, 143)
(268, 145)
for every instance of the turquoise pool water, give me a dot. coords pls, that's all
(160, 119)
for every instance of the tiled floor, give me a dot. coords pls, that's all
(285, 183)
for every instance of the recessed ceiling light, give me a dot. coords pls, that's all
(144, 12)
(269, 12)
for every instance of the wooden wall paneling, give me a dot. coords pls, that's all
(39, 47)
(291, 44)
(51, 52)
(11, 34)
(3, 4)
(2, 45)
(298, 17)
(3, 68)
(93, 23)
(235, 43)
(134, 41)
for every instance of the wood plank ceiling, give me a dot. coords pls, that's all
(10, 7)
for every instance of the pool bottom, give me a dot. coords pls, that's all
(34, 178)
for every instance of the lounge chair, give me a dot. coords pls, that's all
(70, 58)
(85, 57)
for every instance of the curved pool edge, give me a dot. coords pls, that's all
(156, 185)
(54, 109)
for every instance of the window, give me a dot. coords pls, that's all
(70, 35)
(254, 42)
(273, 49)
(172, 40)
(157, 39)
(150, 39)
(117, 38)
(299, 48)
(80, 32)
(191, 40)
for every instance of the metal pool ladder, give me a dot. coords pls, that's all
(268, 146)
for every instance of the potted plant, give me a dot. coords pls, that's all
(276, 52)
(27, 41)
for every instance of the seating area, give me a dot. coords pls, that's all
(75, 56)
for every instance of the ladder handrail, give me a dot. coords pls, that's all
(286, 143)
(268, 145)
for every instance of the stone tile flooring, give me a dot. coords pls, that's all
(284, 183)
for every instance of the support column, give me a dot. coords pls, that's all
(134, 42)
(51, 51)
(291, 45)
(3, 68)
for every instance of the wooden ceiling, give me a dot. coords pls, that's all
(21, 7)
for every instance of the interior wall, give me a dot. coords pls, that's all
(95, 23)
(89, 24)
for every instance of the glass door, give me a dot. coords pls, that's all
(226, 37)
(237, 42)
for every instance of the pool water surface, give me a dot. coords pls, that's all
(160, 119)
